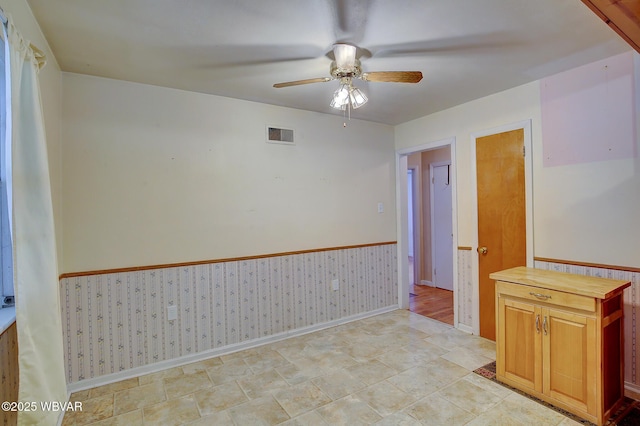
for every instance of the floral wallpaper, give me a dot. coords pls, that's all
(465, 288)
(117, 321)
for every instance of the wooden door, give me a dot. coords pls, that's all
(519, 349)
(570, 366)
(501, 215)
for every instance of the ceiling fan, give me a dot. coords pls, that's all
(345, 68)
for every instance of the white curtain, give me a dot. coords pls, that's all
(35, 265)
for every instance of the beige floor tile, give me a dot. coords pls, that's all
(450, 339)
(201, 365)
(469, 396)
(80, 395)
(385, 398)
(436, 411)
(372, 371)
(427, 325)
(404, 335)
(138, 397)
(339, 384)
(234, 369)
(398, 419)
(416, 381)
(113, 387)
(493, 418)
(363, 351)
(217, 419)
(312, 418)
(527, 411)
(488, 385)
(466, 358)
(481, 346)
(325, 362)
(160, 375)
(186, 384)
(171, 413)
(265, 361)
(261, 411)
(401, 359)
(132, 418)
(349, 410)
(301, 398)
(93, 410)
(292, 350)
(569, 422)
(444, 372)
(259, 385)
(219, 398)
(294, 375)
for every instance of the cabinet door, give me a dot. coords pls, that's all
(569, 365)
(519, 343)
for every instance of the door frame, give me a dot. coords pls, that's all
(402, 225)
(416, 176)
(525, 125)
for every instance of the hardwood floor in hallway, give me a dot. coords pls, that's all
(431, 302)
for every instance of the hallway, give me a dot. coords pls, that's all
(431, 302)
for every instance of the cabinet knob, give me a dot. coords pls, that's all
(482, 250)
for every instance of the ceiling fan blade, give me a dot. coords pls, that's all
(299, 82)
(393, 76)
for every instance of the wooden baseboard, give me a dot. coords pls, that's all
(632, 391)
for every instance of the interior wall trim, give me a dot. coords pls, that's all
(587, 264)
(206, 262)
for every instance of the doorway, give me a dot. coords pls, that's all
(421, 169)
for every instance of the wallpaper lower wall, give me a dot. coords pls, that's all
(465, 289)
(118, 321)
(631, 305)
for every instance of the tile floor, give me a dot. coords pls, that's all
(397, 368)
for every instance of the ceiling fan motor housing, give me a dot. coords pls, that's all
(353, 71)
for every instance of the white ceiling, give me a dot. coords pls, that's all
(465, 49)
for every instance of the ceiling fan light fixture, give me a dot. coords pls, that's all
(341, 96)
(357, 98)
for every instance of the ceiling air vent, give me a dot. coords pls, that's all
(280, 135)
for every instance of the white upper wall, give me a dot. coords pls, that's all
(154, 175)
(585, 212)
(51, 92)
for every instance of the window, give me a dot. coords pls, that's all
(6, 246)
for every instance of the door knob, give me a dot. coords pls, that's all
(482, 250)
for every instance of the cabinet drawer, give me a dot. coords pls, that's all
(550, 297)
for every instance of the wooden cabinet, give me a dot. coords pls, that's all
(559, 338)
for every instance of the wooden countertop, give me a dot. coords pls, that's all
(600, 288)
